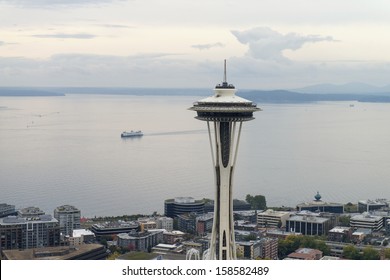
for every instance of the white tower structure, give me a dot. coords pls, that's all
(224, 113)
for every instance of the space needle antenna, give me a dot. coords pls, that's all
(224, 72)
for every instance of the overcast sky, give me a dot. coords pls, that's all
(182, 43)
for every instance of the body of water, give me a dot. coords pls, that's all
(68, 150)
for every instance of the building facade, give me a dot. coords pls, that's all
(272, 219)
(165, 223)
(340, 234)
(7, 210)
(182, 205)
(371, 205)
(368, 221)
(140, 241)
(69, 218)
(318, 205)
(25, 233)
(308, 225)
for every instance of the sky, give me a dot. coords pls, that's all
(268, 44)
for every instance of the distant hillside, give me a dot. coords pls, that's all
(349, 88)
(284, 96)
(27, 92)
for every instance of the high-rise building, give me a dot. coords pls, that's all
(69, 218)
(224, 113)
(31, 232)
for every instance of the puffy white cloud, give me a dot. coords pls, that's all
(267, 44)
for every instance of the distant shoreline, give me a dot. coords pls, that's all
(260, 96)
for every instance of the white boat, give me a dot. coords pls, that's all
(132, 133)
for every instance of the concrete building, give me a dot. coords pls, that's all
(371, 205)
(112, 228)
(69, 218)
(272, 219)
(187, 223)
(172, 237)
(340, 234)
(308, 225)
(269, 248)
(140, 241)
(165, 223)
(204, 224)
(32, 232)
(317, 205)
(238, 205)
(305, 254)
(280, 234)
(82, 252)
(30, 212)
(182, 205)
(80, 236)
(249, 250)
(7, 210)
(224, 113)
(366, 220)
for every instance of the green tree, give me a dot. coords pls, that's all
(351, 252)
(344, 220)
(387, 253)
(370, 253)
(257, 202)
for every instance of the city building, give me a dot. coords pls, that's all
(268, 248)
(172, 237)
(308, 224)
(318, 205)
(305, 254)
(246, 215)
(371, 205)
(7, 210)
(82, 252)
(30, 212)
(147, 224)
(280, 234)
(366, 220)
(238, 205)
(112, 228)
(80, 236)
(360, 234)
(272, 219)
(249, 250)
(182, 205)
(204, 224)
(224, 113)
(388, 227)
(165, 223)
(187, 222)
(69, 218)
(340, 234)
(140, 241)
(32, 232)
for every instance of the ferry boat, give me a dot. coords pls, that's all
(132, 133)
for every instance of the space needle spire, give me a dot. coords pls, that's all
(224, 113)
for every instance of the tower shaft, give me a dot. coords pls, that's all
(224, 146)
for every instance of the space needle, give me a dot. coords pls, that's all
(224, 113)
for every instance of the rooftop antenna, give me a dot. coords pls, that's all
(224, 74)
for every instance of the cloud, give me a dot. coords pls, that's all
(267, 44)
(66, 36)
(208, 46)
